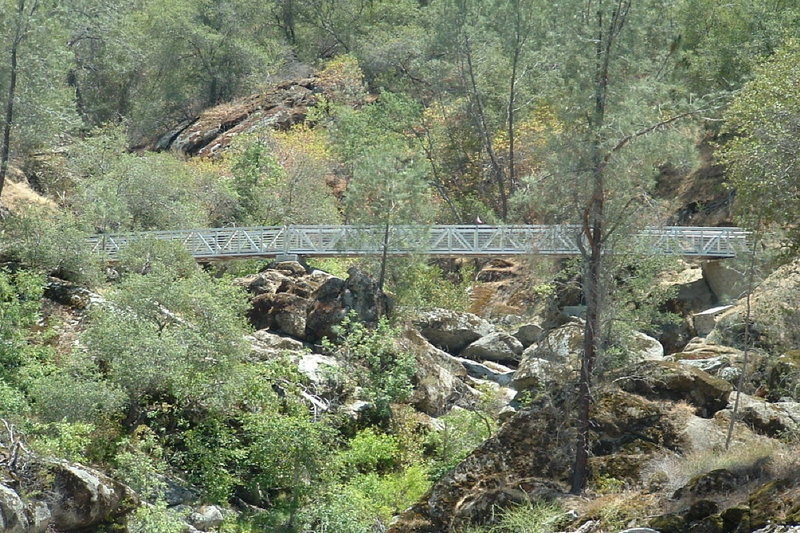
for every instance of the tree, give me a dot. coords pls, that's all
(596, 176)
(36, 105)
(761, 158)
(388, 188)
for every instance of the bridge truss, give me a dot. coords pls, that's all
(440, 241)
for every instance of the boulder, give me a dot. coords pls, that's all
(672, 381)
(726, 281)
(497, 346)
(210, 133)
(536, 373)
(451, 331)
(82, 497)
(527, 334)
(206, 518)
(487, 370)
(530, 458)
(439, 383)
(644, 347)
(287, 298)
(266, 345)
(775, 313)
(559, 345)
(55, 495)
(777, 419)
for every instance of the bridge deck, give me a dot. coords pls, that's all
(441, 241)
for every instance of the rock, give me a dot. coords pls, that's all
(560, 345)
(309, 305)
(669, 523)
(439, 382)
(494, 347)
(701, 509)
(527, 459)
(565, 344)
(208, 134)
(13, 518)
(775, 313)
(528, 334)
(672, 381)
(61, 496)
(206, 518)
(783, 376)
(535, 373)
(719, 481)
(727, 282)
(705, 321)
(777, 502)
(266, 345)
(489, 371)
(777, 419)
(83, 497)
(693, 292)
(645, 347)
(333, 300)
(451, 331)
(317, 368)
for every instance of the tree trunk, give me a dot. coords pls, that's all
(595, 232)
(5, 147)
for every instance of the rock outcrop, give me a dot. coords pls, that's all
(451, 331)
(775, 313)
(212, 131)
(308, 305)
(40, 495)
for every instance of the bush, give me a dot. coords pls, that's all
(387, 372)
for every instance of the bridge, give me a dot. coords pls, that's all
(440, 241)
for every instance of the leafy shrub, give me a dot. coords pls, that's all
(463, 431)
(369, 451)
(387, 371)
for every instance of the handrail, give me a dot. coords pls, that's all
(445, 241)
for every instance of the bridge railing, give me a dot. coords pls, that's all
(456, 240)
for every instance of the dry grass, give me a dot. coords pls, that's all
(17, 193)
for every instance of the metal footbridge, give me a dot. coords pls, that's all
(440, 241)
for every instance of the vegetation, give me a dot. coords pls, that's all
(423, 111)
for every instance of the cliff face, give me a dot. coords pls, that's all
(279, 107)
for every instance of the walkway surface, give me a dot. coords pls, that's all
(440, 241)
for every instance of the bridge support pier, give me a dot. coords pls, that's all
(287, 257)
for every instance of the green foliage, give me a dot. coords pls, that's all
(369, 451)
(389, 494)
(51, 242)
(279, 179)
(140, 464)
(387, 372)
(20, 303)
(530, 517)
(762, 157)
(421, 285)
(159, 334)
(719, 43)
(462, 432)
(67, 440)
(286, 453)
(156, 519)
(117, 190)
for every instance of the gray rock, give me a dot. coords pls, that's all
(536, 373)
(674, 381)
(12, 512)
(317, 367)
(266, 345)
(439, 382)
(488, 371)
(494, 347)
(772, 419)
(527, 334)
(451, 331)
(206, 518)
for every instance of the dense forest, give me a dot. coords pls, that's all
(331, 396)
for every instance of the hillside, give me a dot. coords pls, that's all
(613, 390)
